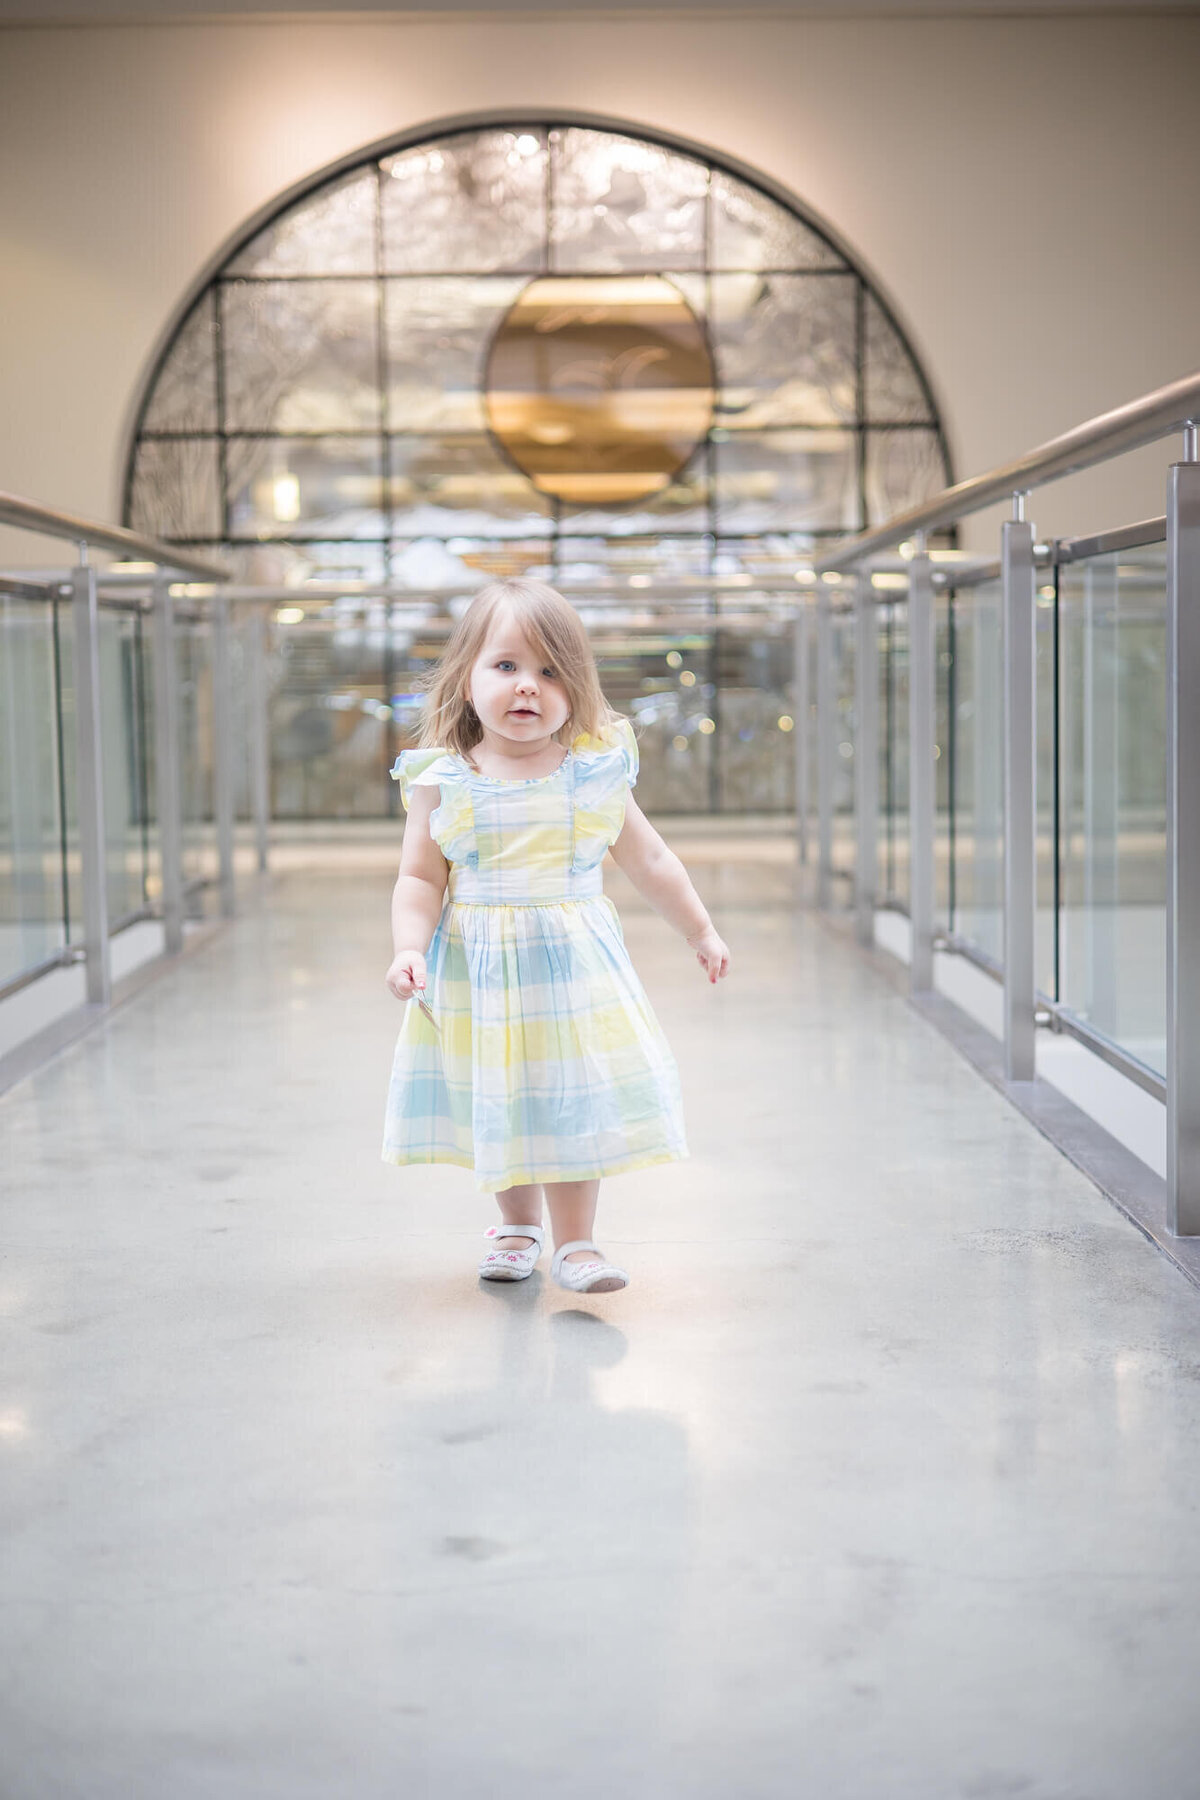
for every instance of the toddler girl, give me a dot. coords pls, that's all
(532, 1055)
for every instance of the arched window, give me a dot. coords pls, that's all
(545, 347)
(525, 346)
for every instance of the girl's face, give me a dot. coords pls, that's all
(517, 695)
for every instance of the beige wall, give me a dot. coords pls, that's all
(1024, 190)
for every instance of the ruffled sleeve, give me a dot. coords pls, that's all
(606, 767)
(451, 823)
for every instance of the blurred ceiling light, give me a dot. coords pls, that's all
(527, 144)
(707, 726)
(805, 576)
(786, 722)
(640, 581)
(132, 568)
(285, 497)
(832, 577)
(679, 743)
(290, 615)
(674, 660)
(907, 549)
(687, 679)
(894, 583)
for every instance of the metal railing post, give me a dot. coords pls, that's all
(223, 748)
(921, 744)
(89, 776)
(258, 736)
(1020, 823)
(826, 724)
(1183, 842)
(166, 760)
(802, 728)
(866, 758)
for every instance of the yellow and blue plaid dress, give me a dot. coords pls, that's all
(546, 1062)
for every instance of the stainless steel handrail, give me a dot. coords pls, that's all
(1110, 434)
(47, 521)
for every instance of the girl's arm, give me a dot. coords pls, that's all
(417, 896)
(659, 876)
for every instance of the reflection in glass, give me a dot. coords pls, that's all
(300, 355)
(622, 203)
(331, 232)
(787, 349)
(475, 202)
(124, 681)
(304, 487)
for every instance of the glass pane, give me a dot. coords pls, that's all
(755, 716)
(661, 675)
(122, 725)
(32, 923)
(752, 231)
(903, 468)
(943, 642)
(472, 203)
(300, 355)
(790, 480)
(979, 768)
(1044, 700)
(175, 490)
(328, 233)
(331, 715)
(785, 348)
(1112, 733)
(620, 203)
(845, 734)
(193, 661)
(452, 486)
(894, 393)
(438, 334)
(184, 394)
(893, 750)
(305, 487)
(636, 562)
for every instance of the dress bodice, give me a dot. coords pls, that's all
(532, 841)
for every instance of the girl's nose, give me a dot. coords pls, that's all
(526, 684)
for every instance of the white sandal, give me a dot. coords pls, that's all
(512, 1265)
(597, 1277)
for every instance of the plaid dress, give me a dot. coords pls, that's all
(545, 1061)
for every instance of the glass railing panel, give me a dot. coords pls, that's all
(124, 681)
(845, 629)
(978, 769)
(193, 661)
(893, 752)
(1112, 786)
(33, 918)
(662, 673)
(943, 764)
(1045, 800)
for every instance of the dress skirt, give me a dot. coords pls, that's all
(545, 1061)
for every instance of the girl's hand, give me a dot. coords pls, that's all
(407, 974)
(712, 953)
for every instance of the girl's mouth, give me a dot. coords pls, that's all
(522, 712)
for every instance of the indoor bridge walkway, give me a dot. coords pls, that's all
(878, 1481)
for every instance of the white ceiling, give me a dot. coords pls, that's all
(114, 12)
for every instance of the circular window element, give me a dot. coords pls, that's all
(600, 387)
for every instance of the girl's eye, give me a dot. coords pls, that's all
(552, 673)
(505, 664)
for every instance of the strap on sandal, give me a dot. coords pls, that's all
(536, 1232)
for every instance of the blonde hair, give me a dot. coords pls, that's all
(555, 631)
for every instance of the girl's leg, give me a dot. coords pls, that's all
(573, 1213)
(519, 1206)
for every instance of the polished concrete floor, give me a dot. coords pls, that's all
(879, 1482)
